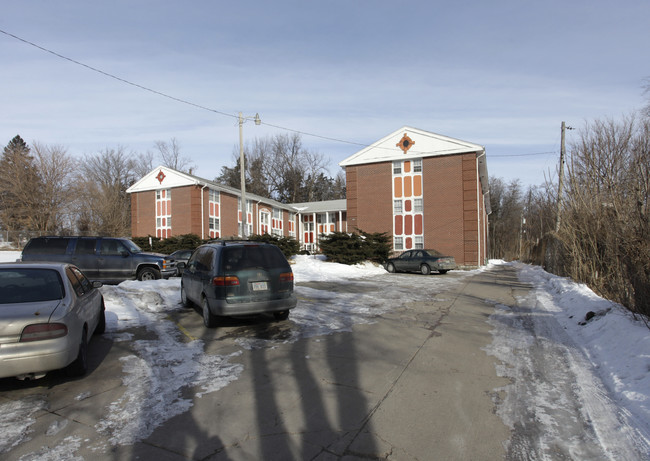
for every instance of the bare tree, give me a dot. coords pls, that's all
(280, 168)
(143, 164)
(606, 231)
(55, 169)
(170, 155)
(101, 187)
(505, 223)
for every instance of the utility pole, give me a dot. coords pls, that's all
(242, 169)
(561, 177)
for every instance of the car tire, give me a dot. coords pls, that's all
(425, 269)
(80, 365)
(390, 267)
(148, 273)
(184, 299)
(101, 323)
(282, 315)
(209, 319)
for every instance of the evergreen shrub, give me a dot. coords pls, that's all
(354, 248)
(288, 245)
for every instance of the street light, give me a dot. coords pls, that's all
(242, 168)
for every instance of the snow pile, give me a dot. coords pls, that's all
(612, 339)
(313, 268)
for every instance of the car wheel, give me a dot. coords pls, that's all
(80, 366)
(282, 315)
(101, 323)
(209, 319)
(390, 267)
(186, 302)
(442, 271)
(148, 273)
(425, 269)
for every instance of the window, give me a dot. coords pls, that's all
(85, 246)
(292, 224)
(112, 247)
(399, 243)
(419, 241)
(214, 213)
(397, 167)
(417, 205)
(163, 213)
(417, 166)
(397, 206)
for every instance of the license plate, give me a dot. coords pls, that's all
(259, 286)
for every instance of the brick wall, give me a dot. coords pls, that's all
(143, 214)
(370, 197)
(186, 210)
(443, 205)
(229, 215)
(450, 198)
(471, 210)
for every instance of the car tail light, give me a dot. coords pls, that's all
(41, 331)
(227, 281)
(286, 277)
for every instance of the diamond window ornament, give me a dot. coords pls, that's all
(405, 143)
(160, 177)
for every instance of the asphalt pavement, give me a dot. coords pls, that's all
(414, 385)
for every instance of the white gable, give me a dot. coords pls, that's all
(422, 144)
(162, 178)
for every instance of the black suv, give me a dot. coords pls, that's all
(106, 259)
(238, 278)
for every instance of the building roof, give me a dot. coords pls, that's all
(163, 177)
(321, 207)
(420, 144)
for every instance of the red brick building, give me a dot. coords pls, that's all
(167, 202)
(424, 189)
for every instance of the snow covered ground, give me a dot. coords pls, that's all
(551, 319)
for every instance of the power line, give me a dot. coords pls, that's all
(94, 69)
(523, 155)
(199, 106)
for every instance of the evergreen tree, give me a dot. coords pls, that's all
(20, 186)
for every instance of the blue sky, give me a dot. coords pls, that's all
(502, 74)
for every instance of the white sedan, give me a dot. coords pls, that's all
(48, 312)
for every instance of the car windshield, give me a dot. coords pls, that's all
(133, 248)
(29, 285)
(433, 253)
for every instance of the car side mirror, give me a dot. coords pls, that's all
(97, 284)
(124, 253)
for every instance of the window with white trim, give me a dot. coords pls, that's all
(399, 243)
(214, 213)
(163, 213)
(292, 224)
(397, 206)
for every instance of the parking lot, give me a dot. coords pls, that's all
(389, 366)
